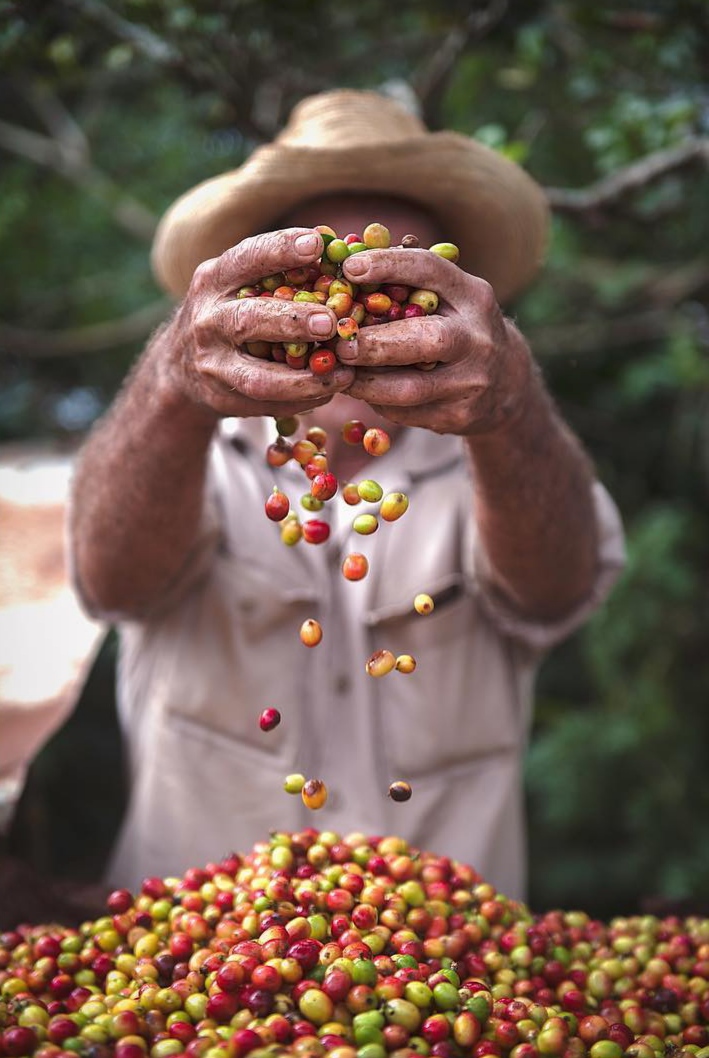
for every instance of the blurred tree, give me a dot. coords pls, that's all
(109, 111)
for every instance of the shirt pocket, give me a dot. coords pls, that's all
(459, 702)
(241, 653)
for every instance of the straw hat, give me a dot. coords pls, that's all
(358, 141)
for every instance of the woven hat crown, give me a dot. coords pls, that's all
(334, 119)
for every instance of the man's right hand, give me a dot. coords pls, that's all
(207, 338)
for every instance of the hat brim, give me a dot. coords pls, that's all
(486, 204)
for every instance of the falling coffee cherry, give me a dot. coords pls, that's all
(380, 663)
(323, 486)
(355, 566)
(405, 663)
(315, 531)
(314, 793)
(353, 431)
(294, 783)
(310, 632)
(376, 442)
(400, 791)
(423, 603)
(269, 719)
(393, 506)
(277, 505)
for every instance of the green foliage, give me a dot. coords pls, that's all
(161, 95)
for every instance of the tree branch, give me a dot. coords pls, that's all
(429, 80)
(93, 338)
(69, 157)
(665, 296)
(144, 40)
(611, 189)
(587, 336)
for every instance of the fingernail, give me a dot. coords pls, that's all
(355, 266)
(320, 323)
(307, 244)
(347, 351)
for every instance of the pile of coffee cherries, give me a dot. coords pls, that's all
(314, 944)
(354, 305)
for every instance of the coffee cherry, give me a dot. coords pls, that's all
(315, 531)
(294, 783)
(279, 453)
(277, 505)
(376, 441)
(323, 486)
(350, 494)
(261, 350)
(347, 328)
(355, 566)
(448, 250)
(297, 350)
(423, 603)
(291, 531)
(310, 632)
(303, 451)
(400, 791)
(326, 233)
(317, 436)
(322, 362)
(269, 719)
(425, 299)
(377, 303)
(398, 292)
(314, 793)
(376, 235)
(317, 464)
(310, 503)
(353, 432)
(393, 506)
(370, 491)
(365, 524)
(337, 251)
(405, 663)
(341, 304)
(380, 663)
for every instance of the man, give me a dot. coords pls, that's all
(507, 529)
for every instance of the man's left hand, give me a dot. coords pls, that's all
(476, 365)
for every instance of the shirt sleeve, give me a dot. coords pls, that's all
(541, 636)
(200, 559)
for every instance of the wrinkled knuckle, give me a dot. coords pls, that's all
(203, 276)
(202, 328)
(440, 336)
(485, 296)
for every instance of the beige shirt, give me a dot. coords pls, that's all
(194, 679)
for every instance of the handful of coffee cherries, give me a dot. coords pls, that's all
(354, 305)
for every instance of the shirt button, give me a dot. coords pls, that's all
(342, 683)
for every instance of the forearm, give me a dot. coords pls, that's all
(534, 506)
(138, 490)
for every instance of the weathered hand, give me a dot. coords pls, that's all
(208, 335)
(482, 364)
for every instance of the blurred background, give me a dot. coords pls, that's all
(109, 109)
